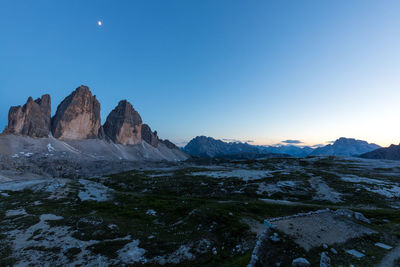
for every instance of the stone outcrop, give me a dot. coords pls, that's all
(124, 125)
(149, 136)
(32, 119)
(77, 117)
(169, 144)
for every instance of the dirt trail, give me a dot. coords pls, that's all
(388, 260)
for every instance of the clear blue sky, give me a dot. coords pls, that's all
(251, 70)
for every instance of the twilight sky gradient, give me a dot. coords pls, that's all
(251, 70)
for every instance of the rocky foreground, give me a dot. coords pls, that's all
(217, 213)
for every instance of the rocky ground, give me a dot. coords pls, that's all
(197, 212)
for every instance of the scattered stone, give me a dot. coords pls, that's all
(112, 226)
(274, 238)
(151, 212)
(386, 221)
(384, 246)
(11, 213)
(333, 251)
(325, 246)
(355, 253)
(325, 260)
(300, 262)
(345, 212)
(268, 224)
(359, 216)
(131, 252)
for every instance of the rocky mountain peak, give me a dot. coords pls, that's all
(124, 124)
(77, 116)
(345, 147)
(31, 119)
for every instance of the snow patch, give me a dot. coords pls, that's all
(50, 148)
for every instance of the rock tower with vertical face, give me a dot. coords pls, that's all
(77, 116)
(149, 136)
(124, 125)
(32, 119)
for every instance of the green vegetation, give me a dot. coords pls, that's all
(172, 208)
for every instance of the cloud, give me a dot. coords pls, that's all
(292, 142)
(237, 140)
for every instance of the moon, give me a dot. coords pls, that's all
(100, 23)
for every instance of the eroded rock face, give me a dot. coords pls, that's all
(77, 116)
(124, 125)
(149, 136)
(32, 119)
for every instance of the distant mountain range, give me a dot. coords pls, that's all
(208, 147)
(345, 147)
(291, 150)
(392, 152)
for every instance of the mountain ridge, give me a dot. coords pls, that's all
(78, 119)
(345, 147)
(202, 146)
(391, 153)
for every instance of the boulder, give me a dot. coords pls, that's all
(300, 262)
(345, 212)
(32, 119)
(359, 216)
(149, 136)
(77, 116)
(124, 125)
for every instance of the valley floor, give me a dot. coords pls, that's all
(202, 213)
